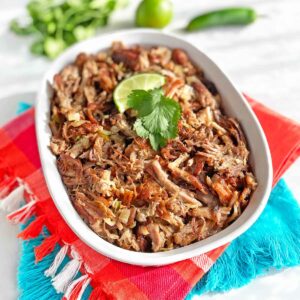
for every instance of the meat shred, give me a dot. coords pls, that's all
(129, 194)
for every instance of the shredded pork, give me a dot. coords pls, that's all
(129, 194)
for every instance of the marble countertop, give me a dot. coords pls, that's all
(263, 59)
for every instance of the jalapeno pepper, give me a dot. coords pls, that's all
(227, 16)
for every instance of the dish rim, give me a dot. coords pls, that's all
(71, 216)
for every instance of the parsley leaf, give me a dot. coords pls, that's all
(158, 116)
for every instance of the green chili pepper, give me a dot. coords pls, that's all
(227, 16)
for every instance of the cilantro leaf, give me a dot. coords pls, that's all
(174, 111)
(164, 118)
(144, 101)
(158, 116)
(156, 121)
(157, 141)
(140, 129)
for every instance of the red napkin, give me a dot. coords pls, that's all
(21, 176)
(282, 135)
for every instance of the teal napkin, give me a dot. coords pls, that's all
(273, 242)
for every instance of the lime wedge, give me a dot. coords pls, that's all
(143, 81)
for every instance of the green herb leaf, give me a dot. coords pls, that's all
(21, 30)
(62, 23)
(144, 101)
(54, 46)
(37, 47)
(158, 116)
(157, 141)
(140, 129)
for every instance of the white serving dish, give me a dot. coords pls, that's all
(234, 105)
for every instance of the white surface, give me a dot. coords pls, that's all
(262, 59)
(234, 105)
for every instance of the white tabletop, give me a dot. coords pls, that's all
(262, 59)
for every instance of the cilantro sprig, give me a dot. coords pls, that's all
(57, 24)
(158, 116)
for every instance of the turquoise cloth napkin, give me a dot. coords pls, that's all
(273, 242)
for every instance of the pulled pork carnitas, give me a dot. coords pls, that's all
(129, 194)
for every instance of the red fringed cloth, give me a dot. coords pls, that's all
(21, 178)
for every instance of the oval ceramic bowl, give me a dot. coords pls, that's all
(234, 105)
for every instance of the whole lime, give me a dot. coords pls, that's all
(154, 13)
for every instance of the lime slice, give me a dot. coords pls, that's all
(143, 81)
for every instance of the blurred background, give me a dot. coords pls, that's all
(262, 58)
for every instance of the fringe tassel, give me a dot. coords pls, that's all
(6, 186)
(57, 261)
(62, 280)
(22, 214)
(77, 288)
(45, 248)
(33, 229)
(12, 193)
(13, 200)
